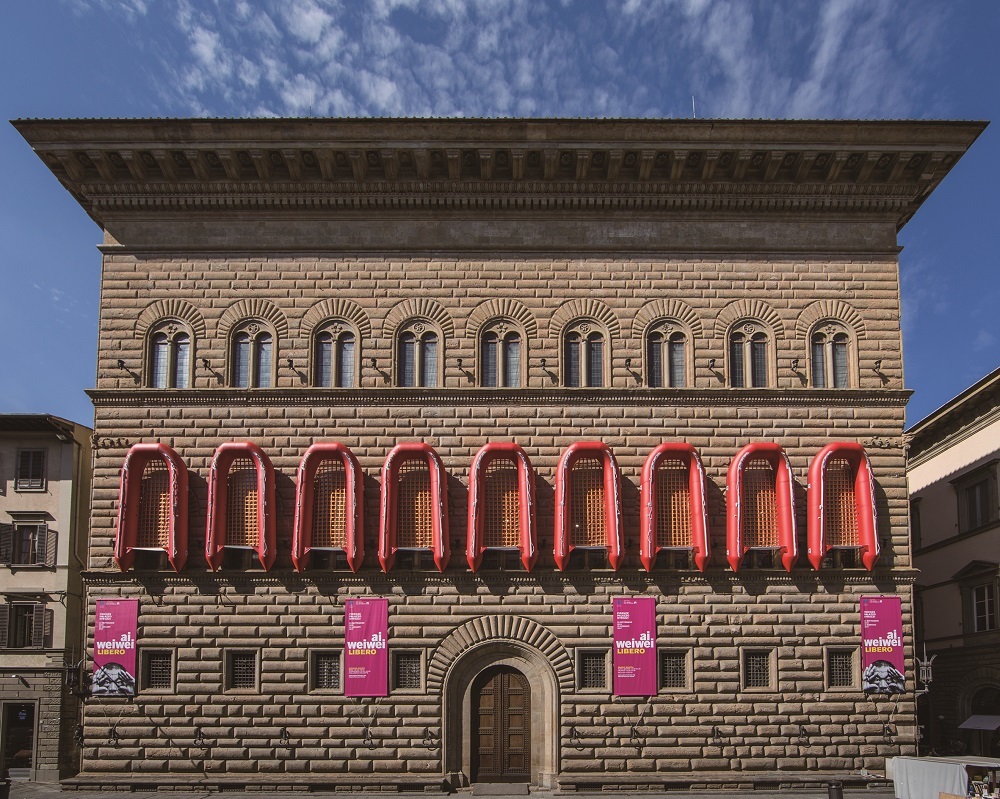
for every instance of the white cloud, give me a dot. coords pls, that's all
(842, 58)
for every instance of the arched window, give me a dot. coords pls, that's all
(749, 356)
(169, 356)
(252, 356)
(501, 504)
(666, 357)
(760, 506)
(830, 356)
(585, 356)
(335, 357)
(500, 355)
(418, 357)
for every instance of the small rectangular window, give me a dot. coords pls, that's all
(326, 671)
(976, 492)
(673, 669)
(241, 671)
(157, 670)
(407, 671)
(30, 470)
(757, 668)
(840, 668)
(592, 670)
(984, 613)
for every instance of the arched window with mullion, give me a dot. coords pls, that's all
(830, 358)
(417, 359)
(749, 356)
(170, 358)
(335, 359)
(666, 359)
(252, 358)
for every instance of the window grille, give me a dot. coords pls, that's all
(840, 668)
(839, 508)
(324, 360)
(673, 669)
(840, 375)
(571, 353)
(593, 670)
(654, 357)
(758, 360)
(673, 504)
(242, 670)
(819, 361)
(161, 360)
(760, 517)
(595, 360)
(241, 504)
(676, 358)
(345, 360)
(407, 670)
(241, 360)
(428, 365)
(329, 517)
(756, 669)
(30, 470)
(737, 377)
(488, 359)
(157, 670)
(153, 530)
(502, 519)
(326, 670)
(512, 360)
(587, 515)
(182, 360)
(414, 506)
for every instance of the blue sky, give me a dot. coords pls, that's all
(868, 59)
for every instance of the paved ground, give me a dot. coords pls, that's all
(34, 790)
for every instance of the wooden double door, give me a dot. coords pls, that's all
(501, 734)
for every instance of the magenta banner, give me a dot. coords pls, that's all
(882, 665)
(366, 655)
(635, 646)
(116, 627)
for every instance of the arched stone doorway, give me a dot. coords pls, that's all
(468, 659)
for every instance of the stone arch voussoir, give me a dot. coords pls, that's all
(336, 309)
(506, 307)
(254, 309)
(515, 630)
(829, 309)
(422, 308)
(584, 309)
(748, 309)
(667, 309)
(171, 309)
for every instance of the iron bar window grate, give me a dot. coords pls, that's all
(756, 669)
(840, 668)
(673, 670)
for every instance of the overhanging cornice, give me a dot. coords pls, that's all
(116, 167)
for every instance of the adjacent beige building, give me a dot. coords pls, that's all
(586, 290)
(955, 515)
(44, 515)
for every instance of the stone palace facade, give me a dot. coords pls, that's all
(500, 373)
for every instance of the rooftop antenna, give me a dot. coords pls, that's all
(693, 114)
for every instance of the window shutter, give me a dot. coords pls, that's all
(51, 539)
(39, 626)
(6, 543)
(4, 615)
